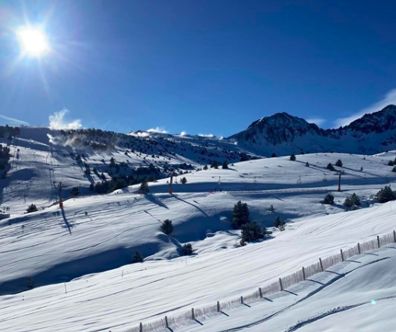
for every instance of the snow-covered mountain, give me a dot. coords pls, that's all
(147, 146)
(282, 134)
(278, 134)
(95, 161)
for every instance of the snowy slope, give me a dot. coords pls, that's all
(42, 158)
(118, 299)
(106, 230)
(357, 295)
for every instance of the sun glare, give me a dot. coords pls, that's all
(33, 41)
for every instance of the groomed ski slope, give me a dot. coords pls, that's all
(356, 295)
(100, 232)
(118, 299)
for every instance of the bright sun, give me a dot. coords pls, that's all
(33, 41)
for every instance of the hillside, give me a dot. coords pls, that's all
(93, 161)
(118, 299)
(106, 230)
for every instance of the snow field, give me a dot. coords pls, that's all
(122, 297)
(79, 262)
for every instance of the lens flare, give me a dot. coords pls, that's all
(33, 41)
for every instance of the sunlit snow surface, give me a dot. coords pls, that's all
(102, 233)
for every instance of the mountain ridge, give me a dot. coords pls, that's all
(282, 133)
(277, 134)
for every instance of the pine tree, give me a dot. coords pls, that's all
(214, 164)
(245, 214)
(385, 195)
(348, 203)
(252, 232)
(186, 249)
(355, 199)
(330, 167)
(31, 208)
(329, 199)
(352, 202)
(293, 157)
(225, 165)
(240, 215)
(338, 163)
(167, 227)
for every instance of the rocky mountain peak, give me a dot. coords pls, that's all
(277, 128)
(377, 122)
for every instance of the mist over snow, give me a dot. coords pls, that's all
(159, 130)
(58, 121)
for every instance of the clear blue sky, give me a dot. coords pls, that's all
(199, 66)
